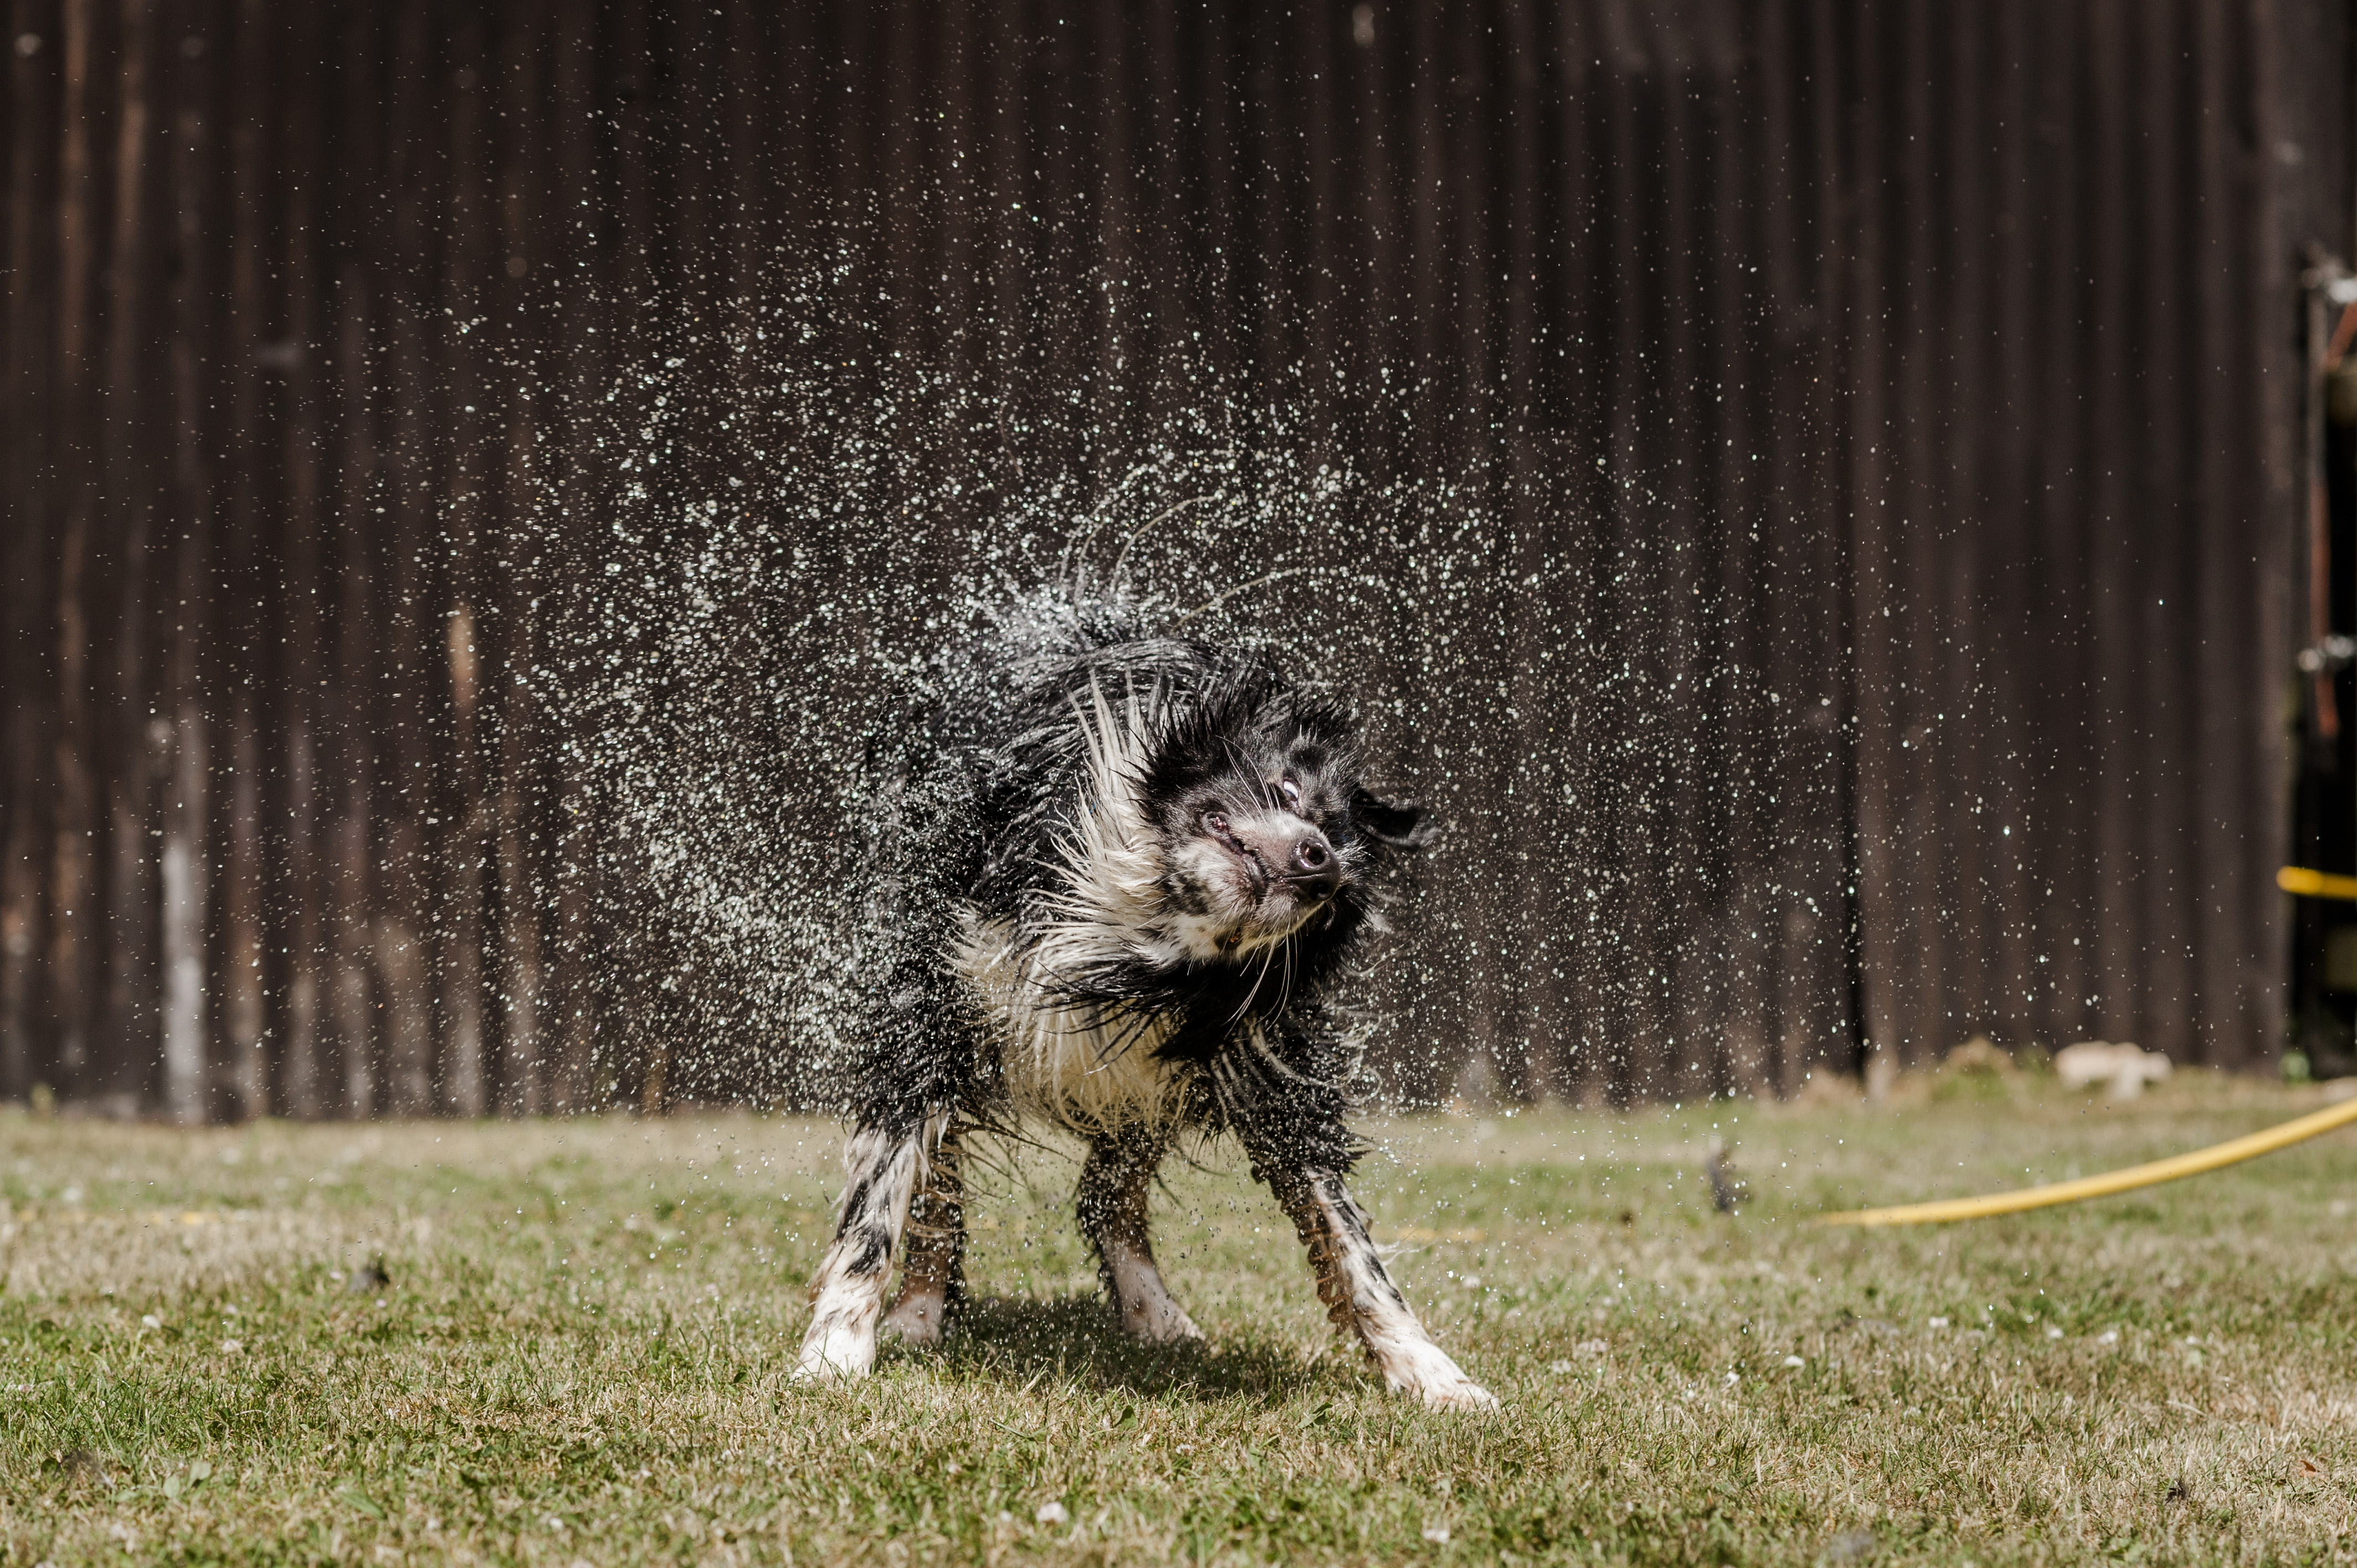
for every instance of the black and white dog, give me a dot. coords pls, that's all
(1123, 882)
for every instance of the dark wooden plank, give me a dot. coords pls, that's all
(469, 1058)
(1737, 513)
(355, 698)
(1824, 1005)
(351, 715)
(580, 930)
(1533, 909)
(189, 168)
(639, 1047)
(1922, 548)
(523, 235)
(247, 1039)
(27, 505)
(1163, 203)
(2242, 829)
(1615, 853)
(74, 946)
(748, 219)
(2014, 668)
(1010, 230)
(323, 1075)
(2113, 885)
(1582, 1059)
(1871, 702)
(2153, 316)
(412, 635)
(1958, 131)
(130, 747)
(1685, 1012)
(2059, 819)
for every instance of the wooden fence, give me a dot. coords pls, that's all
(1897, 407)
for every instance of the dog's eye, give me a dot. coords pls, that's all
(1290, 793)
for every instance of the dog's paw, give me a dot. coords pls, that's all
(834, 1358)
(918, 1320)
(1419, 1367)
(1462, 1394)
(1166, 1323)
(818, 1370)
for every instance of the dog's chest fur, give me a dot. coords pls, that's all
(1081, 1066)
(1065, 1065)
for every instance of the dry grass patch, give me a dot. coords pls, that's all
(580, 1351)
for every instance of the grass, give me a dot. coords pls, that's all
(581, 1352)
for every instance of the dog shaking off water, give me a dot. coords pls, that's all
(1122, 881)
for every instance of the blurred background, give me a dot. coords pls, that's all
(1829, 500)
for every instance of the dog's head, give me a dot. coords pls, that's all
(1267, 826)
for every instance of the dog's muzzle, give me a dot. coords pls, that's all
(1313, 871)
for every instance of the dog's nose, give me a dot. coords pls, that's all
(1315, 873)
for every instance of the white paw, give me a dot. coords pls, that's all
(1165, 1324)
(1462, 1394)
(1419, 1367)
(835, 1357)
(918, 1320)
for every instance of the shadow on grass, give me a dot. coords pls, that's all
(998, 1338)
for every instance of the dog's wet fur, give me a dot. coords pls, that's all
(1124, 883)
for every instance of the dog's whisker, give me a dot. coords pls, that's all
(1245, 1005)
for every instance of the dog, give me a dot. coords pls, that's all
(1124, 883)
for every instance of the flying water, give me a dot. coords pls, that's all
(796, 522)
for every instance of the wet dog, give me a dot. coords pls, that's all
(1124, 885)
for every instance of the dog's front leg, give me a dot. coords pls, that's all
(1358, 1291)
(847, 1296)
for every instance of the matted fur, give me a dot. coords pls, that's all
(1085, 1068)
(1124, 883)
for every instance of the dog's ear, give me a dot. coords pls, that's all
(1403, 825)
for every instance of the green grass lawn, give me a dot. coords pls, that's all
(581, 1352)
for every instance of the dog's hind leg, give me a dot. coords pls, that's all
(932, 1276)
(847, 1298)
(1357, 1290)
(1114, 1183)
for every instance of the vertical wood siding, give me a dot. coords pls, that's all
(1937, 366)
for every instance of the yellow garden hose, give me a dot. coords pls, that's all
(2307, 883)
(2216, 1157)
(2293, 879)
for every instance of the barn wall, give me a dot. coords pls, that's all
(1934, 369)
